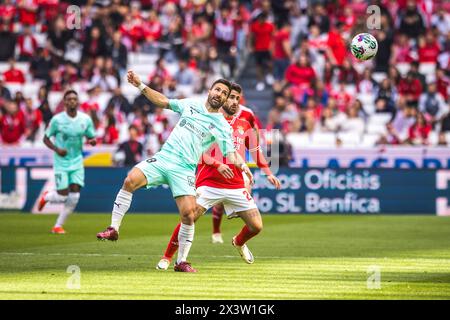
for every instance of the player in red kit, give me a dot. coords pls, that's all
(244, 113)
(220, 183)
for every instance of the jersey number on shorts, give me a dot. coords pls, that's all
(247, 195)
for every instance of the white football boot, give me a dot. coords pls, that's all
(216, 238)
(163, 264)
(244, 251)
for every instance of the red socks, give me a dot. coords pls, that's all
(217, 213)
(244, 236)
(172, 246)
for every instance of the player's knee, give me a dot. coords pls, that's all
(188, 214)
(130, 184)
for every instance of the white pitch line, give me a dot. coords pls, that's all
(369, 259)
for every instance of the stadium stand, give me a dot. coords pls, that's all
(331, 98)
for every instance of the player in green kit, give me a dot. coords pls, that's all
(68, 129)
(200, 126)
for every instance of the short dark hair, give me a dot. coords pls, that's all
(236, 87)
(222, 81)
(69, 92)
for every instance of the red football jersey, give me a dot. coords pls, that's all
(208, 175)
(247, 114)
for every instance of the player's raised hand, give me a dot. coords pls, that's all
(133, 78)
(274, 181)
(225, 171)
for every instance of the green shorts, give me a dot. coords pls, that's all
(64, 178)
(180, 178)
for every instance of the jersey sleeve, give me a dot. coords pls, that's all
(52, 128)
(224, 139)
(90, 130)
(178, 105)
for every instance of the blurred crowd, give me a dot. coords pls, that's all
(300, 49)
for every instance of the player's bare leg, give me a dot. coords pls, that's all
(172, 246)
(217, 213)
(253, 226)
(72, 196)
(134, 180)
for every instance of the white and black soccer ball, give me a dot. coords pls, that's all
(364, 46)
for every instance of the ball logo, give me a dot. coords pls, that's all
(183, 123)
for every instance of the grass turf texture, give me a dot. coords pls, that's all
(296, 257)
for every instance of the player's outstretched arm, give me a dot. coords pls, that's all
(257, 156)
(158, 99)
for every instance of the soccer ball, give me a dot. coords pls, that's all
(364, 46)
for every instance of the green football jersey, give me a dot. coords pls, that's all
(69, 133)
(195, 132)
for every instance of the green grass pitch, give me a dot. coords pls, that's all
(296, 257)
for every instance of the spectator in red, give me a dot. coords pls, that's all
(301, 73)
(27, 44)
(28, 12)
(91, 104)
(336, 44)
(348, 18)
(12, 124)
(8, 10)
(111, 135)
(13, 75)
(152, 27)
(282, 50)
(419, 131)
(428, 49)
(410, 88)
(342, 97)
(261, 40)
(131, 32)
(33, 120)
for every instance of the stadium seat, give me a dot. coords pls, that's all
(54, 97)
(376, 128)
(349, 139)
(403, 68)
(433, 138)
(298, 139)
(31, 90)
(380, 118)
(369, 140)
(323, 139)
(379, 76)
(14, 87)
(428, 69)
(447, 138)
(142, 58)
